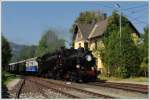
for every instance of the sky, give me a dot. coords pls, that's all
(25, 22)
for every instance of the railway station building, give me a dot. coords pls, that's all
(90, 35)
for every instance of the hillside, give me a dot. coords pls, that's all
(16, 50)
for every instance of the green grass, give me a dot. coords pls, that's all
(131, 79)
(139, 79)
(7, 77)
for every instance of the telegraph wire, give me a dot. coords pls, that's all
(145, 14)
(139, 6)
(136, 19)
(140, 16)
(125, 9)
(107, 6)
(132, 10)
(135, 11)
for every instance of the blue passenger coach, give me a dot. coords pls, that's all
(31, 66)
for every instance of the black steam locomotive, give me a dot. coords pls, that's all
(68, 64)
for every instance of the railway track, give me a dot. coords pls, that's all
(72, 92)
(124, 86)
(41, 85)
(53, 88)
(24, 86)
(20, 85)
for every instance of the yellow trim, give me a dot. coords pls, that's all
(92, 32)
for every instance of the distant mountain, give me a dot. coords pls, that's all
(16, 50)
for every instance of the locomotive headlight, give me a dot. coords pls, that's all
(92, 68)
(88, 57)
(77, 66)
(59, 56)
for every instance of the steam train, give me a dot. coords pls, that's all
(64, 64)
(68, 64)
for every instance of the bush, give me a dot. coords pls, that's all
(120, 55)
(121, 72)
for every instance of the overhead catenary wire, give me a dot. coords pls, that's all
(136, 10)
(125, 9)
(136, 19)
(135, 7)
(133, 11)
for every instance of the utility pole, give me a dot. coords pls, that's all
(118, 6)
(119, 21)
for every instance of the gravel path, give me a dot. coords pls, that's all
(142, 83)
(109, 91)
(31, 90)
(12, 83)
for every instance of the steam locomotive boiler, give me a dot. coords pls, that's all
(68, 64)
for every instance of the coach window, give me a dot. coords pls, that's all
(31, 63)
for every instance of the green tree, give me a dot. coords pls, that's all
(49, 43)
(27, 52)
(130, 53)
(144, 52)
(120, 60)
(114, 22)
(6, 52)
(111, 52)
(88, 17)
(146, 34)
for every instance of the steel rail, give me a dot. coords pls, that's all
(85, 91)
